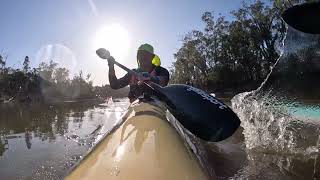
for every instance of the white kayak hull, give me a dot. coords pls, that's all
(144, 146)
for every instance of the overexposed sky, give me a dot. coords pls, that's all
(66, 31)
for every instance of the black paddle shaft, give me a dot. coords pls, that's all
(125, 68)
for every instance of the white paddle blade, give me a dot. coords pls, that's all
(103, 53)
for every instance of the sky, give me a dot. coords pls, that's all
(66, 31)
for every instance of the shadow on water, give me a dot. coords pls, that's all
(43, 141)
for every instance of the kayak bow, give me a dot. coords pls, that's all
(143, 146)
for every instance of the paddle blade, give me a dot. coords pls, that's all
(304, 17)
(103, 53)
(202, 114)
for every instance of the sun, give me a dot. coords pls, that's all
(114, 38)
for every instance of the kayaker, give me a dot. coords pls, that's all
(148, 67)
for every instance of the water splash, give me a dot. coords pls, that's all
(277, 119)
(268, 127)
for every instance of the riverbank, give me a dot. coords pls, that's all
(48, 100)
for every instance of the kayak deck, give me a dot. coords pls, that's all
(145, 146)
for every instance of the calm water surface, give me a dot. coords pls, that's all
(43, 141)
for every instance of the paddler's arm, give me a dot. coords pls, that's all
(116, 83)
(163, 77)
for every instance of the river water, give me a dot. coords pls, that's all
(43, 141)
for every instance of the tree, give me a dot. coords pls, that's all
(26, 62)
(2, 62)
(61, 75)
(46, 70)
(227, 54)
(48, 81)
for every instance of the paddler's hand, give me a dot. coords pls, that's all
(143, 77)
(111, 61)
(146, 77)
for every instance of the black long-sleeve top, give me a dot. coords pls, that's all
(135, 89)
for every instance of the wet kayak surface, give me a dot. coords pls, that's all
(145, 146)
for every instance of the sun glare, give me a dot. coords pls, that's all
(115, 39)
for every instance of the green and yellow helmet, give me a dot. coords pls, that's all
(148, 48)
(156, 60)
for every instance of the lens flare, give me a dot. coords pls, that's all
(115, 38)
